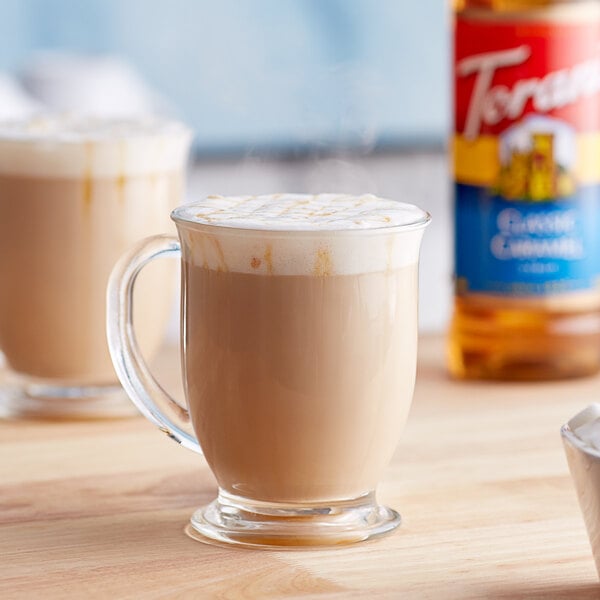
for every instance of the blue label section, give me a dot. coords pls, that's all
(527, 248)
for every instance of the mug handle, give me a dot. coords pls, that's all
(146, 393)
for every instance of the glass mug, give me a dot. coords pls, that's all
(299, 358)
(75, 193)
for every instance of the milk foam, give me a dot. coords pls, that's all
(66, 146)
(301, 234)
(290, 212)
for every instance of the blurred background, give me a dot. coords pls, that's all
(283, 95)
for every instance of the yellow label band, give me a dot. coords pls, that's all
(477, 162)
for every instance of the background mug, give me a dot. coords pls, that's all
(75, 193)
(298, 344)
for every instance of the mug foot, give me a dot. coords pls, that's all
(24, 398)
(232, 520)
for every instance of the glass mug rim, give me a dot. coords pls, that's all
(181, 218)
(133, 130)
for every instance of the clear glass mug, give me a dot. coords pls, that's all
(299, 358)
(75, 193)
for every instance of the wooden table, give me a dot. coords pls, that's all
(97, 509)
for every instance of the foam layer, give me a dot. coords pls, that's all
(297, 234)
(65, 146)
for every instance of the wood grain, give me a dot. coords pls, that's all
(97, 509)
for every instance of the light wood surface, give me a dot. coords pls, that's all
(97, 509)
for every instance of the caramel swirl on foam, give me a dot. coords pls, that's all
(300, 234)
(283, 212)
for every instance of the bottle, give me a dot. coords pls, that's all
(526, 153)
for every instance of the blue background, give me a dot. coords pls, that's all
(280, 74)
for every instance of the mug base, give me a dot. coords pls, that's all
(232, 520)
(24, 398)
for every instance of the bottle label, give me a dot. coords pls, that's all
(527, 155)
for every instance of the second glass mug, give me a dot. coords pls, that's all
(299, 359)
(75, 193)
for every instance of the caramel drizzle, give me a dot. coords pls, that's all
(87, 176)
(268, 256)
(203, 250)
(121, 179)
(220, 254)
(323, 265)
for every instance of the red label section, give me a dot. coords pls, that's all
(506, 70)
